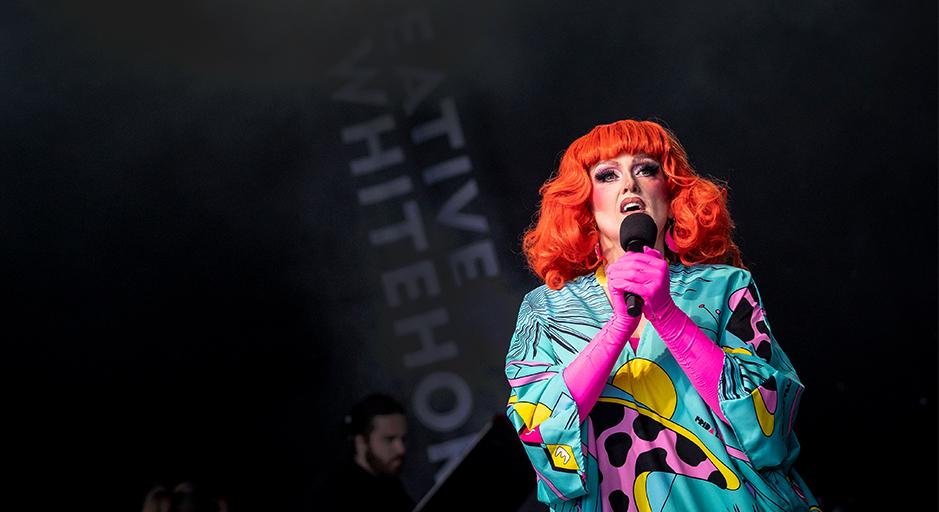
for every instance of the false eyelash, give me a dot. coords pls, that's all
(651, 168)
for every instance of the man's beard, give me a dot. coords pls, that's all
(381, 467)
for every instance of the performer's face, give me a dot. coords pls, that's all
(384, 447)
(623, 186)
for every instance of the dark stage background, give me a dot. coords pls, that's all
(201, 264)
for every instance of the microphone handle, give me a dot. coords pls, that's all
(633, 304)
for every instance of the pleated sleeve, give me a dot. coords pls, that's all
(759, 389)
(541, 407)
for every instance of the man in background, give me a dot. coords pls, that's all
(376, 427)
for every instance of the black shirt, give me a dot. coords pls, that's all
(353, 488)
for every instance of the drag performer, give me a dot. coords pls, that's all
(689, 405)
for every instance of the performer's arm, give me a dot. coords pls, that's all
(589, 371)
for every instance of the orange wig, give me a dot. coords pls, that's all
(560, 245)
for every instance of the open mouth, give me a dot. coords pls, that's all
(632, 205)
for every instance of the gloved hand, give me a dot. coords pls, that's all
(619, 275)
(646, 274)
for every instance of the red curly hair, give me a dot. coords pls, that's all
(560, 245)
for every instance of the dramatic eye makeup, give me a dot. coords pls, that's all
(649, 168)
(605, 175)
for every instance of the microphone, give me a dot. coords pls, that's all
(637, 231)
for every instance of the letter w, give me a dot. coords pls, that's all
(356, 77)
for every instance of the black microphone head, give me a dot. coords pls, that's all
(636, 231)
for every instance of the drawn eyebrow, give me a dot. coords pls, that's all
(642, 160)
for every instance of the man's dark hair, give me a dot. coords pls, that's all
(359, 419)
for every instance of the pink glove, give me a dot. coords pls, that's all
(586, 375)
(646, 275)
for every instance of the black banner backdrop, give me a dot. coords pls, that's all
(226, 221)
(425, 233)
